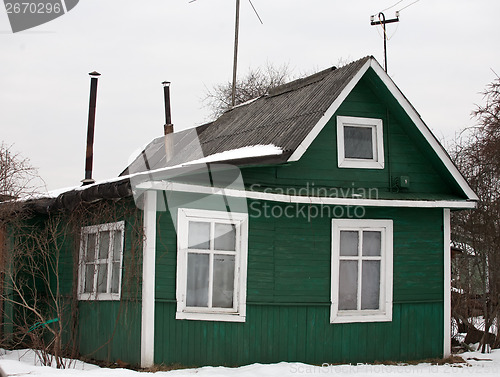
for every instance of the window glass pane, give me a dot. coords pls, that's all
(91, 243)
(117, 245)
(348, 285)
(103, 244)
(370, 285)
(371, 243)
(102, 278)
(225, 237)
(223, 288)
(349, 242)
(358, 142)
(115, 277)
(89, 278)
(197, 280)
(199, 235)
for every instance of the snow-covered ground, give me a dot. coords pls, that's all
(24, 363)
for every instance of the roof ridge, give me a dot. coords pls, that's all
(299, 83)
(308, 80)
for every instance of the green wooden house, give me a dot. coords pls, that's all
(311, 224)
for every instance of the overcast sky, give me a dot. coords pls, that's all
(441, 55)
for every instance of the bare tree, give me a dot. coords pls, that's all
(477, 232)
(30, 248)
(256, 83)
(32, 286)
(17, 177)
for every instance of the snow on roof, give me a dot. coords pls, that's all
(235, 154)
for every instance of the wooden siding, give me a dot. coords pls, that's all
(405, 152)
(302, 333)
(110, 330)
(107, 330)
(288, 295)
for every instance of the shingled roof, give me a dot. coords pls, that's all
(284, 118)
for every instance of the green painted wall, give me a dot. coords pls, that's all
(106, 330)
(110, 330)
(274, 333)
(288, 295)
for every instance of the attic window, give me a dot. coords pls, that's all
(360, 143)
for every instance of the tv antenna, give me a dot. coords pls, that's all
(235, 57)
(383, 21)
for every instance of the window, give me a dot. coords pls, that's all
(211, 265)
(360, 143)
(101, 255)
(361, 270)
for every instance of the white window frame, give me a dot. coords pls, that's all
(377, 162)
(94, 295)
(384, 313)
(238, 312)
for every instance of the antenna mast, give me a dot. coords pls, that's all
(382, 21)
(235, 61)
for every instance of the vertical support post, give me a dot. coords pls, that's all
(235, 62)
(447, 283)
(148, 280)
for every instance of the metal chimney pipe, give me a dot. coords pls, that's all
(89, 156)
(168, 127)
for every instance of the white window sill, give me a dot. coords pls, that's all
(221, 317)
(360, 164)
(361, 317)
(99, 297)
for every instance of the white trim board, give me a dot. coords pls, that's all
(447, 284)
(172, 186)
(407, 107)
(148, 280)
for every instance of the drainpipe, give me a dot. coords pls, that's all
(89, 156)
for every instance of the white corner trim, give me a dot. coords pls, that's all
(301, 149)
(148, 280)
(422, 127)
(447, 283)
(284, 198)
